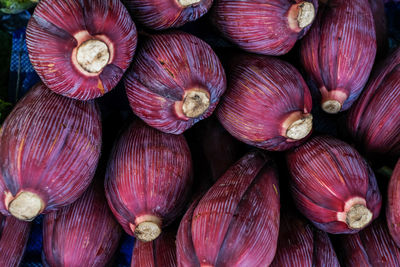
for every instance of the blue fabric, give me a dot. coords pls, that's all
(22, 74)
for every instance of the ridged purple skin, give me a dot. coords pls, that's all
(49, 145)
(258, 26)
(158, 253)
(374, 119)
(324, 254)
(236, 222)
(295, 243)
(378, 12)
(371, 247)
(393, 205)
(185, 253)
(300, 244)
(84, 233)
(14, 236)
(50, 38)
(262, 92)
(326, 173)
(161, 14)
(353, 251)
(339, 51)
(167, 65)
(149, 173)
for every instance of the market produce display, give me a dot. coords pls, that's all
(212, 133)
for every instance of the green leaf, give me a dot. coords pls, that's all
(15, 6)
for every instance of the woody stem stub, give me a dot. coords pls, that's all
(147, 231)
(186, 3)
(358, 217)
(195, 103)
(301, 15)
(300, 128)
(306, 14)
(26, 206)
(93, 55)
(331, 106)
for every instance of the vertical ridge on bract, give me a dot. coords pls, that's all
(148, 178)
(339, 52)
(393, 205)
(168, 69)
(14, 236)
(265, 27)
(158, 253)
(84, 233)
(373, 121)
(58, 30)
(333, 186)
(160, 15)
(50, 146)
(266, 100)
(226, 222)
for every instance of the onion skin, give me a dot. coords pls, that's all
(373, 121)
(262, 93)
(160, 252)
(330, 182)
(84, 233)
(261, 27)
(149, 174)
(50, 146)
(236, 222)
(339, 52)
(14, 236)
(373, 246)
(58, 28)
(393, 206)
(300, 244)
(166, 68)
(161, 15)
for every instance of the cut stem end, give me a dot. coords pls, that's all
(26, 206)
(306, 14)
(358, 217)
(300, 128)
(195, 103)
(301, 15)
(186, 3)
(147, 231)
(93, 55)
(331, 106)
